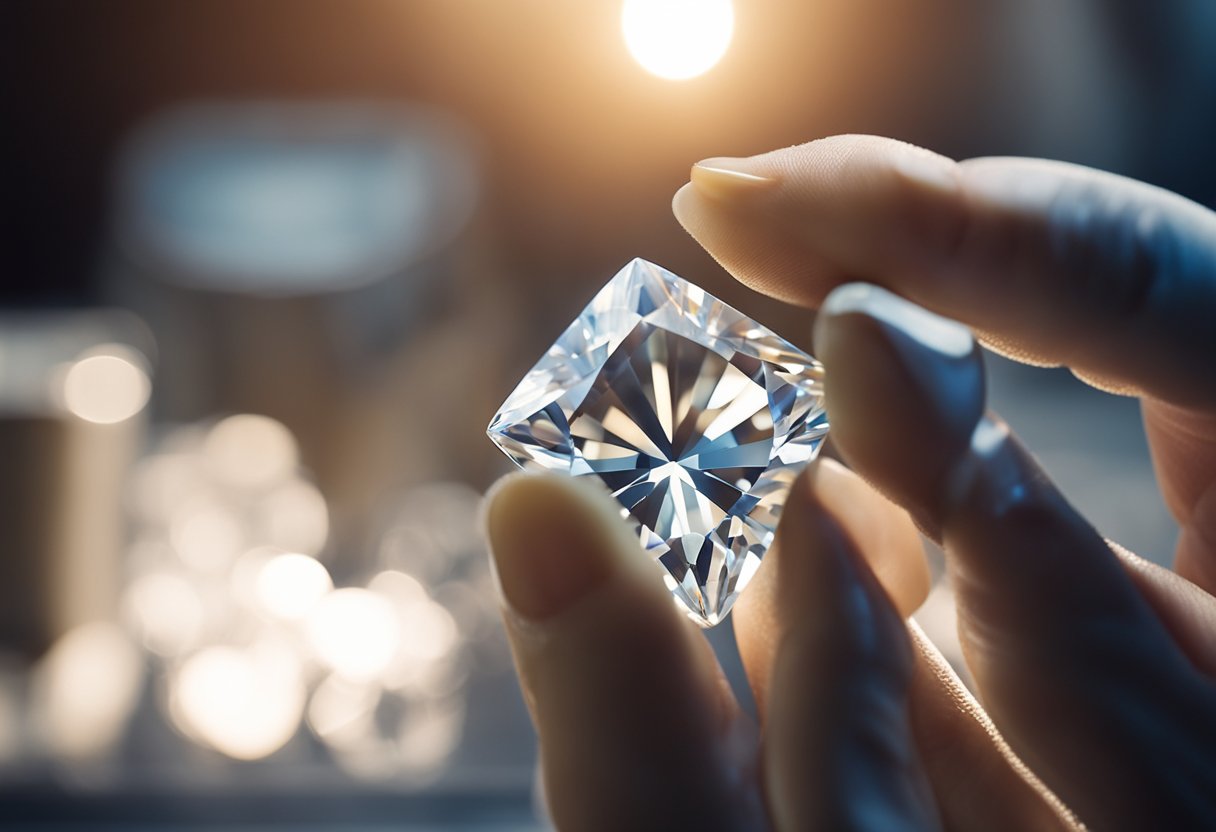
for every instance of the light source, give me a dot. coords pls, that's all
(677, 39)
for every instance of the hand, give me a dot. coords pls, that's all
(1096, 667)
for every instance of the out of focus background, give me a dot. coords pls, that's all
(269, 268)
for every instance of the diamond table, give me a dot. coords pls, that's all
(696, 418)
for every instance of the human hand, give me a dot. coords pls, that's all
(1096, 666)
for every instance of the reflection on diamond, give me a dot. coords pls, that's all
(696, 418)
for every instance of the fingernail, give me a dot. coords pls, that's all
(726, 178)
(550, 542)
(934, 332)
(905, 390)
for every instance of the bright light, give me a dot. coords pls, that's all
(166, 610)
(105, 388)
(677, 39)
(250, 451)
(294, 517)
(243, 703)
(290, 585)
(207, 536)
(85, 689)
(355, 632)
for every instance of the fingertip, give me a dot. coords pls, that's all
(904, 389)
(837, 534)
(884, 534)
(553, 541)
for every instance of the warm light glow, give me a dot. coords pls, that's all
(677, 39)
(207, 536)
(341, 712)
(294, 517)
(165, 609)
(105, 388)
(355, 632)
(243, 703)
(84, 690)
(250, 451)
(290, 585)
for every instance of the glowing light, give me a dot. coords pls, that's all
(355, 632)
(677, 39)
(162, 483)
(295, 518)
(243, 703)
(106, 388)
(426, 740)
(428, 631)
(85, 689)
(341, 712)
(290, 585)
(166, 610)
(207, 537)
(250, 451)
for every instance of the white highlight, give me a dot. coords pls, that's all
(935, 332)
(105, 389)
(250, 451)
(677, 39)
(85, 689)
(243, 703)
(289, 586)
(354, 632)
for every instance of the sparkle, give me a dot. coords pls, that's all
(696, 418)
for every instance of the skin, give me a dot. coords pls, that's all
(1096, 670)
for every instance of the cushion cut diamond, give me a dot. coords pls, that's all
(695, 417)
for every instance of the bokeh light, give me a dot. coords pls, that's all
(166, 611)
(290, 585)
(677, 39)
(250, 451)
(84, 690)
(106, 387)
(355, 632)
(245, 703)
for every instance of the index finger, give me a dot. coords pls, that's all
(1050, 263)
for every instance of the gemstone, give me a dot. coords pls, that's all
(696, 419)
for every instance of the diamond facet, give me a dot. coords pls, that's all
(695, 417)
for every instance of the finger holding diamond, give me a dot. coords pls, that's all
(839, 752)
(1072, 663)
(881, 532)
(977, 781)
(634, 718)
(1050, 263)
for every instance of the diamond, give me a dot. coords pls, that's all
(696, 418)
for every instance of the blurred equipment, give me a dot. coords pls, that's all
(73, 387)
(288, 255)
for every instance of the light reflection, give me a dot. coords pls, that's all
(84, 690)
(294, 517)
(290, 585)
(243, 703)
(341, 712)
(250, 451)
(226, 558)
(206, 536)
(354, 632)
(106, 388)
(166, 611)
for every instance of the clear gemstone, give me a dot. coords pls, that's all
(695, 417)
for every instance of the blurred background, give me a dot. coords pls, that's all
(267, 270)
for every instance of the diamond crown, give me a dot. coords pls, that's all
(696, 419)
